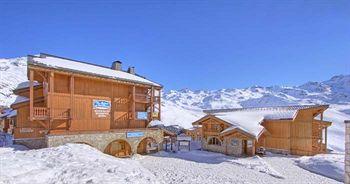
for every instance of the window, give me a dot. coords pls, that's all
(249, 143)
(235, 142)
(214, 141)
(324, 135)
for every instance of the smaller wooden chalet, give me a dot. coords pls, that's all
(70, 101)
(195, 133)
(298, 130)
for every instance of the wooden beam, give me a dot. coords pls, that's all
(321, 116)
(325, 136)
(133, 102)
(112, 120)
(71, 89)
(51, 91)
(152, 103)
(159, 103)
(31, 95)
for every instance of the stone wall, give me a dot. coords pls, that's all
(101, 140)
(347, 152)
(235, 150)
(225, 148)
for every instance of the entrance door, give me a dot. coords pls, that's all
(119, 148)
(245, 147)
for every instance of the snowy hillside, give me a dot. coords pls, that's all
(335, 92)
(185, 106)
(12, 72)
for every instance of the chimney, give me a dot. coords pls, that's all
(131, 70)
(117, 65)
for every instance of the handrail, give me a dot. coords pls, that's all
(41, 112)
(56, 113)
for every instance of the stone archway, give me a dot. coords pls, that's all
(147, 145)
(118, 148)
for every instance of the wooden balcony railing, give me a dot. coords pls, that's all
(43, 113)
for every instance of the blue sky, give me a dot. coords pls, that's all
(194, 44)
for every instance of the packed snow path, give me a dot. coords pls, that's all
(205, 167)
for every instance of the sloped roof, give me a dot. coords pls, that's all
(249, 119)
(25, 84)
(20, 99)
(13, 113)
(55, 62)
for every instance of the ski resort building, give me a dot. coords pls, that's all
(69, 101)
(298, 130)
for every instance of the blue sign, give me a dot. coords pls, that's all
(101, 104)
(134, 134)
(142, 115)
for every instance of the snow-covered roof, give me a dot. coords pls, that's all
(12, 114)
(5, 113)
(50, 61)
(20, 99)
(8, 114)
(26, 84)
(249, 119)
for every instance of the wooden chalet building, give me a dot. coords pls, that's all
(298, 130)
(195, 133)
(69, 101)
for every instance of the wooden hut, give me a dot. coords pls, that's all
(298, 130)
(69, 97)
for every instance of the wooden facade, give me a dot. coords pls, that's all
(302, 135)
(68, 101)
(194, 133)
(235, 142)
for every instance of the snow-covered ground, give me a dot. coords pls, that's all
(79, 163)
(207, 167)
(71, 163)
(330, 165)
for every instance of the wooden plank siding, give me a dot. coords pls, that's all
(302, 135)
(72, 95)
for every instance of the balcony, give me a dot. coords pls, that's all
(142, 98)
(43, 113)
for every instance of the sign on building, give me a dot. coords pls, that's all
(101, 108)
(26, 130)
(134, 134)
(142, 115)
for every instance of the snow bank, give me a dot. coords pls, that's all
(336, 132)
(329, 165)
(71, 163)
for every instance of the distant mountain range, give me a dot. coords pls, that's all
(182, 107)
